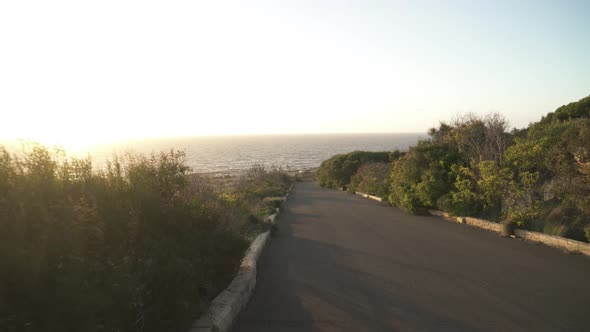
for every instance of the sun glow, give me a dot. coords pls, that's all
(76, 74)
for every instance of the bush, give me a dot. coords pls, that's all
(337, 171)
(255, 196)
(372, 178)
(474, 167)
(422, 176)
(130, 248)
(445, 203)
(465, 197)
(260, 182)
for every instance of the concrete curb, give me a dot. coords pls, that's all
(549, 240)
(448, 216)
(375, 198)
(554, 241)
(226, 307)
(228, 304)
(484, 224)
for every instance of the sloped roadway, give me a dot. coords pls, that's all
(340, 262)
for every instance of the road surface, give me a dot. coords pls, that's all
(340, 262)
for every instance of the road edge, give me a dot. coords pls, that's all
(375, 198)
(546, 239)
(226, 306)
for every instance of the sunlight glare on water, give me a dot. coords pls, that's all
(226, 153)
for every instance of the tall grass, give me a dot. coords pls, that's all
(255, 193)
(135, 247)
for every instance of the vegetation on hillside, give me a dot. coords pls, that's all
(372, 178)
(138, 246)
(337, 171)
(574, 110)
(538, 177)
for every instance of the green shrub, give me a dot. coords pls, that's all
(465, 197)
(255, 196)
(372, 178)
(575, 110)
(260, 182)
(474, 167)
(422, 176)
(445, 203)
(337, 171)
(265, 212)
(124, 249)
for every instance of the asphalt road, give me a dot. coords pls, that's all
(339, 262)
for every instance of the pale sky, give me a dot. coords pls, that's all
(79, 72)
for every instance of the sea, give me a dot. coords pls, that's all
(208, 154)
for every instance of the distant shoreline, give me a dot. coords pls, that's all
(242, 172)
(231, 155)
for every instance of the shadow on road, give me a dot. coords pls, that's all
(339, 262)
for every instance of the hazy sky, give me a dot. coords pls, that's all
(75, 72)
